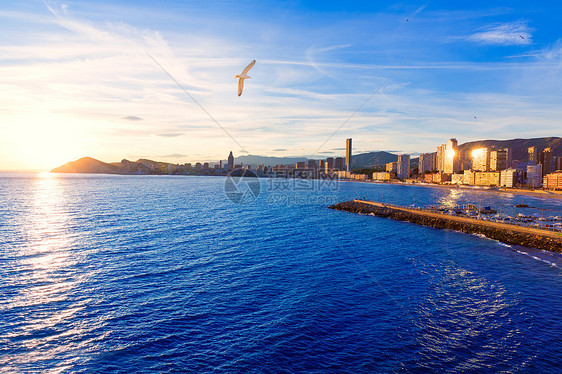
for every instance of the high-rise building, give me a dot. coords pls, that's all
(230, 161)
(558, 163)
(311, 164)
(546, 159)
(534, 175)
(329, 164)
(533, 155)
(481, 159)
(451, 157)
(509, 178)
(553, 181)
(426, 161)
(499, 159)
(403, 166)
(339, 163)
(348, 154)
(440, 154)
(391, 167)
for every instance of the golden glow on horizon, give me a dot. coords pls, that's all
(43, 141)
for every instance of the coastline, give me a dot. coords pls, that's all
(534, 193)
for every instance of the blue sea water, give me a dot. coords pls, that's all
(121, 274)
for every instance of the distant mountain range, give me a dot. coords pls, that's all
(266, 160)
(363, 160)
(518, 146)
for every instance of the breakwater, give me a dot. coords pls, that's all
(509, 234)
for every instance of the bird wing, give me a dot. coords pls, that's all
(247, 68)
(240, 86)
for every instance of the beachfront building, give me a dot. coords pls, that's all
(487, 178)
(468, 177)
(500, 159)
(534, 175)
(481, 159)
(342, 174)
(382, 176)
(360, 177)
(426, 162)
(510, 178)
(451, 157)
(440, 177)
(440, 158)
(457, 178)
(553, 181)
(391, 167)
(403, 166)
(312, 164)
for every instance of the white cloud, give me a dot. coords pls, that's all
(515, 33)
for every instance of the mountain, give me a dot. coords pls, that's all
(267, 161)
(365, 160)
(518, 146)
(87, 165)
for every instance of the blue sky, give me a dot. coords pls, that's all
(76, 78)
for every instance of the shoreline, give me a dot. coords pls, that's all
(533, 193)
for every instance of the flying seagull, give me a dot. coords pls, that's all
(243, 76)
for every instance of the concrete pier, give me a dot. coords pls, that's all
(506, 233)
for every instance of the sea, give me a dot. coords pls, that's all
(166, 274)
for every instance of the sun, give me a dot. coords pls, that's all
(45, 141)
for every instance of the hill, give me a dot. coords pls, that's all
(518, 146)
(365, 160)
(255, 160)
(87, 165)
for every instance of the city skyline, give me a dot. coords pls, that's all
(77, 80)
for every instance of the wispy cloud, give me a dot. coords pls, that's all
(168, 135)
(132, 118)
(514, 33)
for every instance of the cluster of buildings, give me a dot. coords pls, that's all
(486, 167)
(448, 165)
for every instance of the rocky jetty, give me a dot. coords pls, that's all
(509, 234)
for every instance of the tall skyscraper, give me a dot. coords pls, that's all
(339, 163)
(481, 159)
(547, 161)
(230, 161)
(499, 159)
(403, 166)
(348, 154)
(533, 155)
(426, 162)
(451, 157)
(441, 157)
(329, 164)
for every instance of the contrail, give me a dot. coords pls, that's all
(195, 101)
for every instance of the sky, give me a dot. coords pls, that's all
(155, 79)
